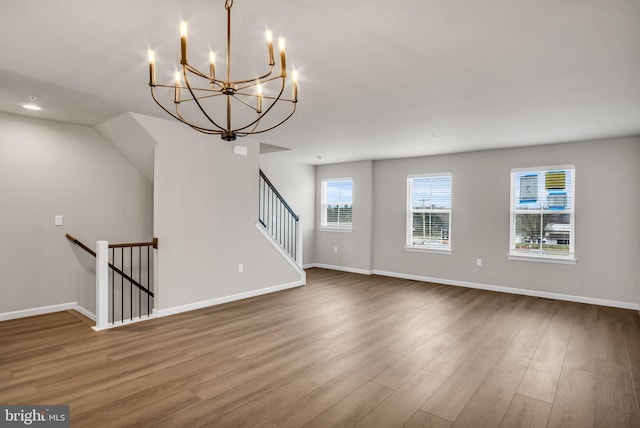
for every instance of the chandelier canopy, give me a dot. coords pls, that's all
(199, 98)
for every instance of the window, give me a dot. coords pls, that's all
(542, 213)
(429, 212)
(337, 204)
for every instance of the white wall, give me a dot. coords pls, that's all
(607, 226)
(354, 248)
(205, 211)
(50, 168)
(607, 207)
(296, 183)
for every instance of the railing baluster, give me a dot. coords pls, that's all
(122, 285)
(130, 284)
(140, 281)
(148, 278)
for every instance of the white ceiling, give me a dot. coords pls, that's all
(378, 79)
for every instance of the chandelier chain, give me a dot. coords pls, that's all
(228, 4)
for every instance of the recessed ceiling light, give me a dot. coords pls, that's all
(31, 105)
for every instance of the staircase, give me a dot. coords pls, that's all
(124, 281)
(125, 272)
(280, 221)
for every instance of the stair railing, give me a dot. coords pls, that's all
(124, 278)
(277, 217)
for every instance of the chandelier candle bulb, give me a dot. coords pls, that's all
(270, 46)
(259, 92)
(212, 67)
(294, 95)
(283, 59)
(177, 92)
(152, 68)
(183, 42)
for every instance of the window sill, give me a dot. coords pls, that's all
(542, 259)
(434, 250)
(335, 229)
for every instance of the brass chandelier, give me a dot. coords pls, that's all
(200, 93)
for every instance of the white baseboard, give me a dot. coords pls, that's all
(522, 291)
(85, 312)
(125, 322)
(45, 310)
(226, 299)
(340, 268)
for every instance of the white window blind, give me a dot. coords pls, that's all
(543, 212)
(337, 204)
(429, 211)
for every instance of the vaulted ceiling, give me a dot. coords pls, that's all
(378, 79)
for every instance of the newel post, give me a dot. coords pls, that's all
(102, 285)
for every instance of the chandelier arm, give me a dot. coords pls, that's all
(178, 118)
(204, 76)
(274, 98)
(243, 101)
(248, 95)
(246, 133)
(267, 110)
(196, 127)
(201, 97)
(204, 130)
(195, 99)
(271, 78)
(262, 78)
(159, 85)
(197, 72)
(255, 126)
(153, 95)
(272, 127)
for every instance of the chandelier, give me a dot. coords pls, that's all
(199, 97)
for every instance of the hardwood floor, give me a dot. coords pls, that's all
(345, 350)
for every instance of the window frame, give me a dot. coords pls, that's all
(324, 224)
(427, 248)
(540, 255)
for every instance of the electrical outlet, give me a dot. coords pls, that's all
(335, 249)
(240, 268)
(478, 262)
(58, 220)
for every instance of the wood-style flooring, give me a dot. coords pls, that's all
(345, 350)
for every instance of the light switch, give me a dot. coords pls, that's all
(58, 220)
